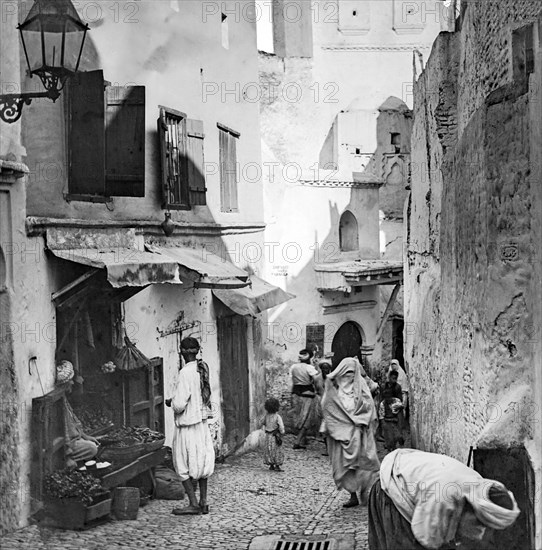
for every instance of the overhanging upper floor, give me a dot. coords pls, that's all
(342, 276)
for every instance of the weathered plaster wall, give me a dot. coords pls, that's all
(24, 333)
(174, 49)
(27, 331)
(10, 79)
(473, 272)
(9, 407)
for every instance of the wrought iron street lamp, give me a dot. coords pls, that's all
(53, 37)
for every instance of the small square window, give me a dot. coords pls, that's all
(396, 141)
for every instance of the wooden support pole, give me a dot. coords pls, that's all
(391, 301)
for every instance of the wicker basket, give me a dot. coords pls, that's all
(154, 446)
(123, 455)
(125, 502)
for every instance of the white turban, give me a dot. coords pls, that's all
(64, 372)
(489, 513)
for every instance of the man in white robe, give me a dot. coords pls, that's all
(193, 452)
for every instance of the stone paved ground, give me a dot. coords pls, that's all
(246, 500)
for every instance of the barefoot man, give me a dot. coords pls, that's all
(193, 452)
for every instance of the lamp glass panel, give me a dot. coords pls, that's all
(53, 49)
(74, 41)
(32, 42)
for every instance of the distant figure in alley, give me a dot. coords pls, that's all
(391, 406)
(425, 500)
(349, 422)
(193, 452)
(303, 375)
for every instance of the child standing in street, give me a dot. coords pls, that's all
(274, 430)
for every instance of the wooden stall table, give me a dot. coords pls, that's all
(145, 463)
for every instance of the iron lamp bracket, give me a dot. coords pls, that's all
(11, 105)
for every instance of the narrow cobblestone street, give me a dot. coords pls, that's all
(247, 500)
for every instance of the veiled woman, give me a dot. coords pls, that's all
(349, 420)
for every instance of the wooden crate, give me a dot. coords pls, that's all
(73, 514)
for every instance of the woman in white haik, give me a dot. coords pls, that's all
(193, 452)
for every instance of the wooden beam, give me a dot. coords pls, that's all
(391, 301)
(56, 295)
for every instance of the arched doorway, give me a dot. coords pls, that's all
(346, 342)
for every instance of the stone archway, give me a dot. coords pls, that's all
(346, 342)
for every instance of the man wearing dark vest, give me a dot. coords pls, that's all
(303, 374)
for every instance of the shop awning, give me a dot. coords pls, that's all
(252, 300)
(205, 269)
(125, 266)
(117, 252)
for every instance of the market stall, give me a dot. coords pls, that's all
(117, 397)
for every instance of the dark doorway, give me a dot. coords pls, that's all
(513, 468)
(397, 341)
(232, 344)
(346, 342)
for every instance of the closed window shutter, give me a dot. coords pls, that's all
(86, 134)
(224, 183)
(125, 141)
(232, 172)
(195, 162)
(228, 170)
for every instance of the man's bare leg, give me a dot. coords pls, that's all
(203, 495)
(193, 506)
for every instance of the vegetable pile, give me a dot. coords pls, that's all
(94, 419)
(73, 484)
(127, 437)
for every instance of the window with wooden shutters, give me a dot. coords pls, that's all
(86, 133)
(125, 141)
(181, 147)
(228, 168)
(105, 137)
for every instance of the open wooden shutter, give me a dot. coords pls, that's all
(86, 134)
(125, 141)
(144, 397)
(48, 438)
(195, 162)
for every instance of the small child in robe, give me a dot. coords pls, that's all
(274, 430)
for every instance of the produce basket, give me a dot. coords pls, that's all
(122, 455)
(154, 446)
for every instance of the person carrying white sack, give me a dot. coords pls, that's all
(432, 501)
